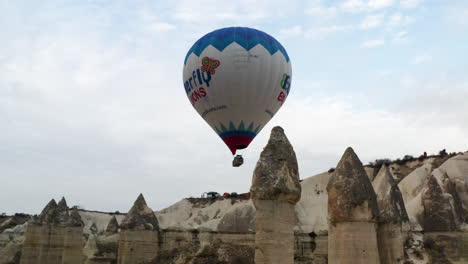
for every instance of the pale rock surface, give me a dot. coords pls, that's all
(312, 208)
(238, 219)
(100, 219)
(11, 241)
(91, 249)
(411, 188)
(275, 190)
(352, 213)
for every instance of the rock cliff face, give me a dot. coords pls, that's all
(54, 237)
(222, 230)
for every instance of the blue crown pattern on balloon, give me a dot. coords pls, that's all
(251, 131)
(245, 37)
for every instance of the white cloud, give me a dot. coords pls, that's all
(373, 43)
(400, 37)
(366, 5)
(410, 3)
(322, 11)
(161, 27)
(292, 31)
(316, 32)
(371, 21)
(397, 20)
(322, 32)
(209, 11)
(421, 59)
(457, 15)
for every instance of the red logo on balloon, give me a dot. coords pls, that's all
(209, 65)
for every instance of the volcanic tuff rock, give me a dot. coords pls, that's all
(276, 175)
(350, 193)
(438, 212)
(112, 226)
(140, 217)
(62, 211)
(48, 214)
(389, 198)
(448, 186)
(75, 218)
(275, 190)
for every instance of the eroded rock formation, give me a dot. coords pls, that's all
(392, 216)
(54, 237)
(353, 214)
(275, 190)
(139, 236)
(438, 212)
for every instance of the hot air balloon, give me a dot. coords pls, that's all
(237, 78)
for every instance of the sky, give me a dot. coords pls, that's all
(93, 108)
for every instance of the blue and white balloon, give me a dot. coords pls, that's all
(237, 78)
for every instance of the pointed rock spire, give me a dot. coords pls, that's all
(112, 226)
(276, 175)
(49, 213)
(140, 217)
(62, 211)
(438, 212)
(389, 199)
(350, 193)
(75, 218)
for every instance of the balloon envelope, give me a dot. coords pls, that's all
(236, 79)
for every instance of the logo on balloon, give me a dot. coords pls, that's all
(209, 65)
(285, 85)
(286, 82)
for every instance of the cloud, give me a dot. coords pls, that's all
(373, 43)
(420, 59)
(366, 6)
(397, 20)
(371, 21)
(161, 27)
(293, 31)
(410, 3)
(400, 37)
(209, 11)
(322, 11)
(315, 32)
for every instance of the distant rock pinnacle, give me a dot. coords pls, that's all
(140, 217)
(112, 226)
(49, 213)
(350, 193)
(438, 212)
(389, 198)
(62, 211)
(276, 175)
